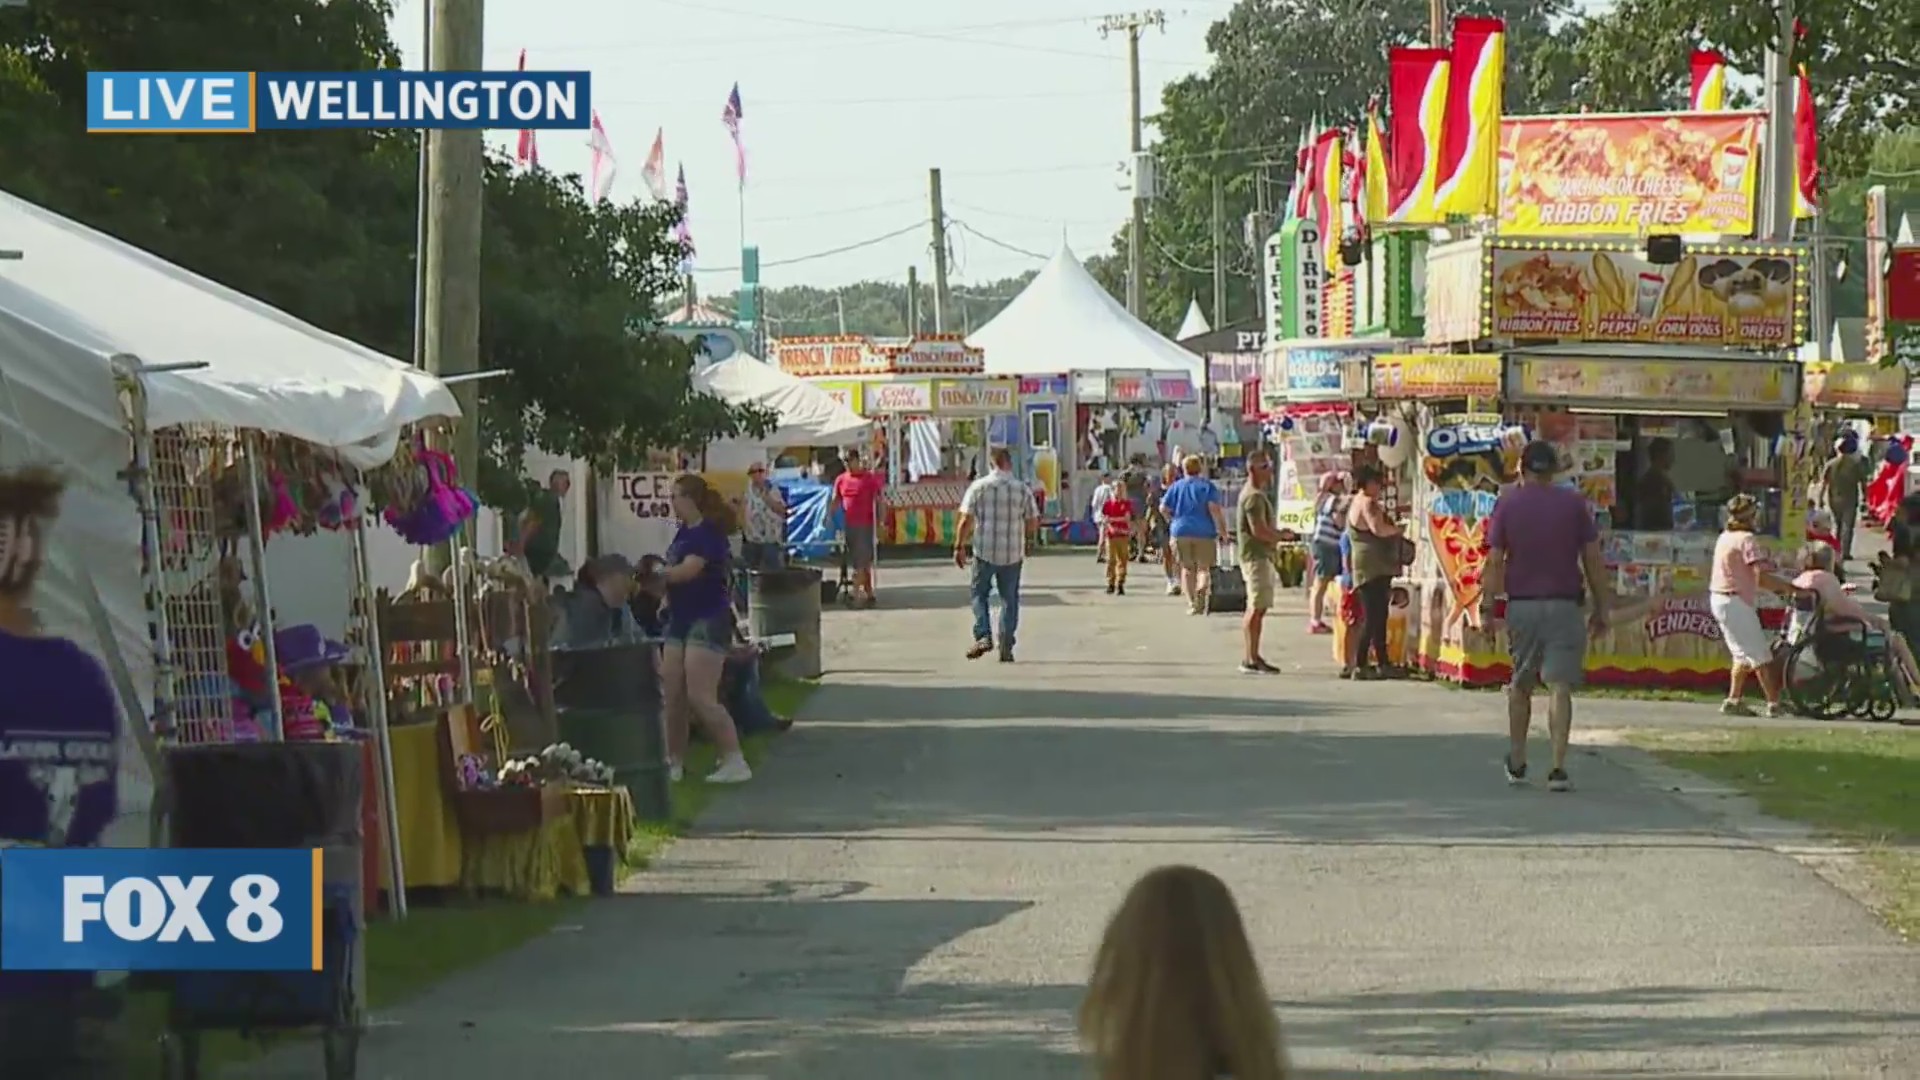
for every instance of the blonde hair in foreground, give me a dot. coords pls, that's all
(1175, 993)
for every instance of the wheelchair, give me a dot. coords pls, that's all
(1832, 672)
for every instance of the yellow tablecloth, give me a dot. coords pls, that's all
(604, 817)
(537, 864)
(429, 832)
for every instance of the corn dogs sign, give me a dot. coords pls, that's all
(1741, 295)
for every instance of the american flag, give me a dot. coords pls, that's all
(683, 232)
(730, 116)
(527, 153)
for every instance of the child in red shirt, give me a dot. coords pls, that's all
(1116, 517)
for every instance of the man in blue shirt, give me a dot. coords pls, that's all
(1196, 522)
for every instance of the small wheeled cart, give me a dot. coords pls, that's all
(264, 1003)
(274, 795)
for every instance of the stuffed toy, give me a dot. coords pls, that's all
(441, 507)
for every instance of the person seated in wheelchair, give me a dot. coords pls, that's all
(1842, 625)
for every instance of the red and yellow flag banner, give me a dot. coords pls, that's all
(1806, 149)
(1417, 110)
(1375, 205)
(1709, 92)
(1327, 186)
(1468, 167)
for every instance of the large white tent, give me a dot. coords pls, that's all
(1064, 320)
(808, 415)
(78, 303)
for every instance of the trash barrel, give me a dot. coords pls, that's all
(788, 602)
(608, 698)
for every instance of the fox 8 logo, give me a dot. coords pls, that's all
(168, 908)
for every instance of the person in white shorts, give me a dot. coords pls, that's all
(1741, 568)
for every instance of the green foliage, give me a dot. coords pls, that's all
(322, 224)
(876, 308)
(1894, 162)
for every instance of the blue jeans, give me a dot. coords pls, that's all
(987, 577)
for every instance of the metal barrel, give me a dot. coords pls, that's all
(788, 602)
(634, 745)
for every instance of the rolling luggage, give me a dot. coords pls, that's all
(1227, 589)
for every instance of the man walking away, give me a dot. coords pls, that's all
(997, 523)
(1541, 538)
(539, 538)
(1101, 496)
(1842, 481)
(1116, 521)
(1138, 485)
(1196, 523)
(1259, 536)
(858, 492)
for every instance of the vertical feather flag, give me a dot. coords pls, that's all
(1416, 118)
(1709, 94)
(527, 153)
(1469, 167)
(1300, 199)
(1806, 149)
(1327, 188)
(731, 116)
(654, 171)
(1353, 195)
(602, 169)
(683, 232)
(1376, 205)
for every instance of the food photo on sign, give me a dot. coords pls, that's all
(1718, 296)
(1467, 460)
(1629, 174)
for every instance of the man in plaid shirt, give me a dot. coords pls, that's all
(998, 519)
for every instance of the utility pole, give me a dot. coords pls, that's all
(1436, 21)
(1257, 238)
(1219, 288)
(939, 208)
(1778, 220)
(913, 301)
(456, 162)
(840, 309)
(1132, 25)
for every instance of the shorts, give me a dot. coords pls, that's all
(715, 632)
(1260, 581)
(1326, 560)
(860, 546)
(1548, 642)
(1740, 625)
(1196, 552)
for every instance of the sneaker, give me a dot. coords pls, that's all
(734, 770)
(1173, 588)
(1515, 775)
(1557, 780)
(1109, 588)
(1006, 656)
(1319, 628)
(1346, 673)
(1119, 590)
(979, 649)
(1735, 708)
(676, 772)
(1266, 668)
(1248, 667)
(1772, 710)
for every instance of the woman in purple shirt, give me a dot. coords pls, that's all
(699, 628)
(58, 723)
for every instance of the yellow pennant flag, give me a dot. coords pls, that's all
(1374, 201)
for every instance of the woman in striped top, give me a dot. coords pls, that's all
(1329, 522)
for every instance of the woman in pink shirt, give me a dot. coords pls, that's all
(1740, 570)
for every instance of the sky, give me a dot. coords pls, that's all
(1021, 104)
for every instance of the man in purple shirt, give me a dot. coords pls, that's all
(1540, 540)
(58, 721)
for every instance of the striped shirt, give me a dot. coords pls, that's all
(1331, 521)
(1003, 512)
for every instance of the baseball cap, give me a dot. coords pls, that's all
(607, 567)
(1541, 458)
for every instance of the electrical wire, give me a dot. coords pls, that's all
(829, 253)
(844, 211)
(1017, 250)
(1035, 219)
(865, 102)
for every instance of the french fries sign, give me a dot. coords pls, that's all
(1749, 296)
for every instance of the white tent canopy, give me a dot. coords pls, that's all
(1194, 324)
(1065, 321)
(808, 415)
(265, 370)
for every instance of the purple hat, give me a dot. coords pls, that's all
(301, 648)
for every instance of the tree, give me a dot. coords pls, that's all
(1278, 66)
(322, 224)
(1863, 67)
(1893, 162)
(875, 308)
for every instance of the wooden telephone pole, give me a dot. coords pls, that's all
(456, 165)
(1132, 25)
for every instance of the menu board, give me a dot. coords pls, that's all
(1588, 446)
(1314, 448)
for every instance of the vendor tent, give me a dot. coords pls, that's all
(808, 415)
(1065, 321)
(1194, 324)
(265, 369)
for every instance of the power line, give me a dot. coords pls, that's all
(830, 252)
(1035, 219)
(970, 230)
(1041, 170)
(859, 102)
(706, 8)
(835, 31)
(844, 211)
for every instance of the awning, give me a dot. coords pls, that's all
(1651, 382)
(1862, 388)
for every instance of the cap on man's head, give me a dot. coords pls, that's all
(610, 566)
(1541, 458)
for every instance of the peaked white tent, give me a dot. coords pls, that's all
(1194, 324)
(808, 415)
(1064, 320)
